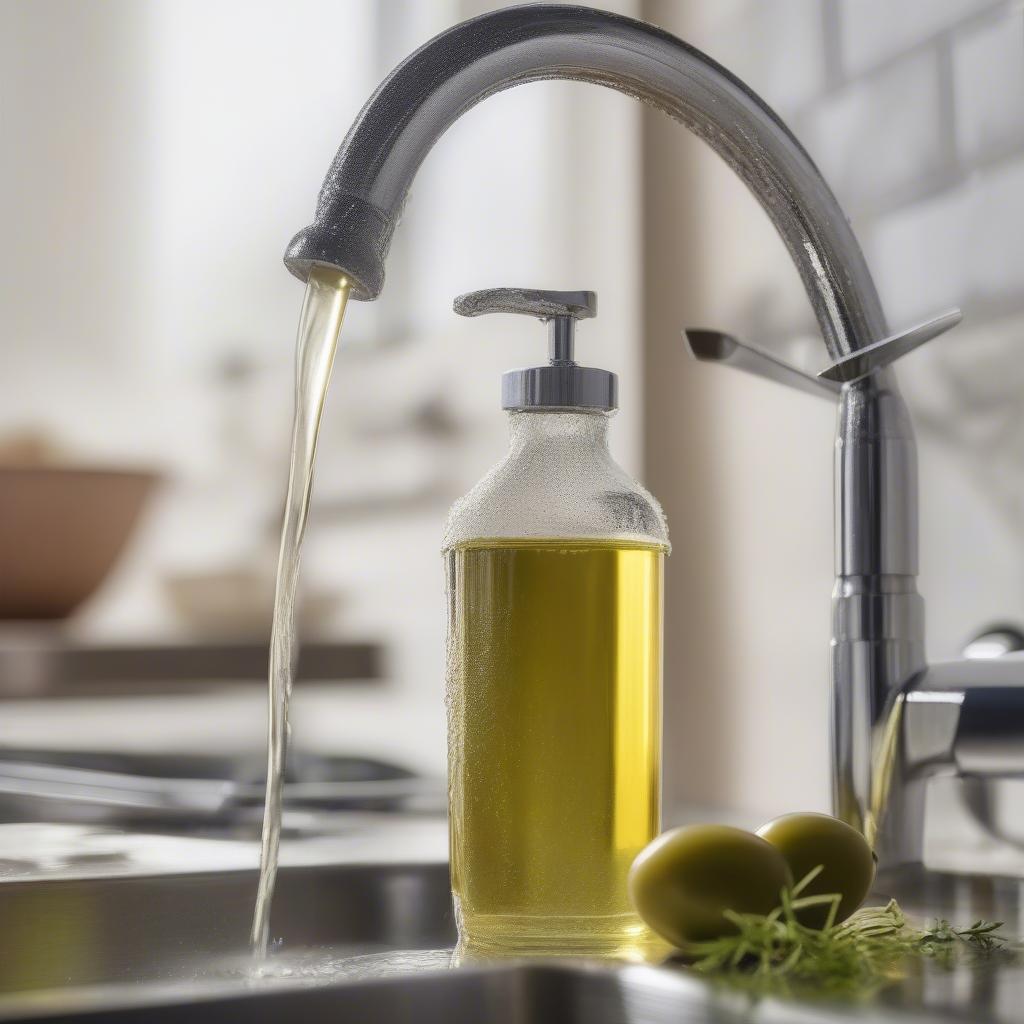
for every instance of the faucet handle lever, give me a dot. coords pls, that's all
(716, 347)
(865, 361)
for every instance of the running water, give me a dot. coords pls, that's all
(323, 310)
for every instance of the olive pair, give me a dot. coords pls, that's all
(682, 883)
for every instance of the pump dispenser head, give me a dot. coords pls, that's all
(562, 383)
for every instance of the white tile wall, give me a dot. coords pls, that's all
(963, 246)
(878, 136)
(914, 110)
(995, 253)
(916, 255)
(988, 66)
(752, 38)
(873, 30)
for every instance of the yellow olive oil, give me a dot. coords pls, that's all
(554, 712)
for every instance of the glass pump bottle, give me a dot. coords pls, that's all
(554, 660)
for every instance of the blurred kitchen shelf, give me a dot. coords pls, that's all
(39, 663)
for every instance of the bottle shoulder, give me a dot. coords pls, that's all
(567, 495)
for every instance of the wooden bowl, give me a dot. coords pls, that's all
(61, 531)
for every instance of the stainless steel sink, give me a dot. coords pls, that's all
(193, 927)
(368, 943)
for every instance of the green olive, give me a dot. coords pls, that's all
(682, 882)
(848, 865)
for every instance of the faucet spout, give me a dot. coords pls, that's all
(366, 186)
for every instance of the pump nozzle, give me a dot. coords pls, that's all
(562, 384)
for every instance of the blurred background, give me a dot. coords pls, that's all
(158, 155)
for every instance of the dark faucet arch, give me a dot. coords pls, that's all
(364, 191)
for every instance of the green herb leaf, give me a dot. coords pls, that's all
(775, 954)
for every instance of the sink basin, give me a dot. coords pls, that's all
(372, 942)
(187, 928)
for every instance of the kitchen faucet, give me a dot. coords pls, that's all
(895, 721)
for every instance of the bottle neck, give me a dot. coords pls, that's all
(569, 429)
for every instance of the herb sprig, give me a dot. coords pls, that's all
(775, 954)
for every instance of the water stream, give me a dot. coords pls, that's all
(323, 310)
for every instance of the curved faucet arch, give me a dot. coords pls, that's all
(366, 187)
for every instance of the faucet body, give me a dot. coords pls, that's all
(878, 619)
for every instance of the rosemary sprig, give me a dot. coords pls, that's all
(775, 954)
(942, 941)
